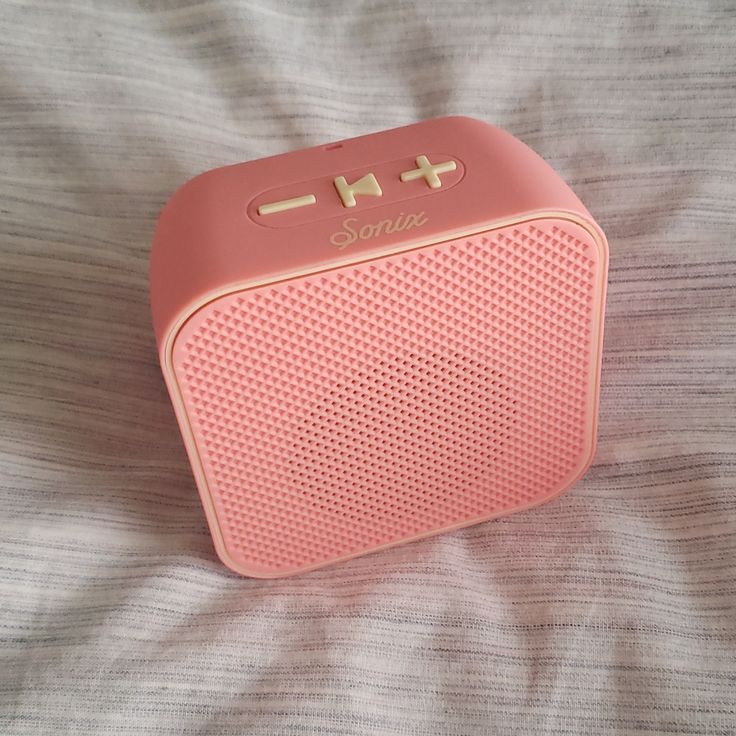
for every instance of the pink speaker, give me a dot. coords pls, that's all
(378, 340)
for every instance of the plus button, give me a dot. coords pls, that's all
(430, 172)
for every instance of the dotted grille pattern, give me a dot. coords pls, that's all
(354, 408)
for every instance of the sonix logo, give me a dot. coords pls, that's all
(351, 232)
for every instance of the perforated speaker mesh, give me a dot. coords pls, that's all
(349, 409)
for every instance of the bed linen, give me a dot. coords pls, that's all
(611, 610)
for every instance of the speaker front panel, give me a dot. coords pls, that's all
(347, 410)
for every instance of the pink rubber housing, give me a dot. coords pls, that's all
(351, 378)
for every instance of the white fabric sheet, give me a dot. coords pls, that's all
(611, 610)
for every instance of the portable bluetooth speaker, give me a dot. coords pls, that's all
(378, 340)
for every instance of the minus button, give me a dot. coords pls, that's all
(286, 204)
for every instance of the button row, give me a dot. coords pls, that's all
(365, 186)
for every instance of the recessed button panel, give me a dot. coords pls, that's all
(374, 185)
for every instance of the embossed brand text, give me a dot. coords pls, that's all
(352, 232)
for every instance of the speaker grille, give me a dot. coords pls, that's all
(345, 410)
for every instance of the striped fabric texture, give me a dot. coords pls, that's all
(611, 610)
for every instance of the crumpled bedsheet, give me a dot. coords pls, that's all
(611, 610)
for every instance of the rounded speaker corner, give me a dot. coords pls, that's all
(262, 572)
(586, 460)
